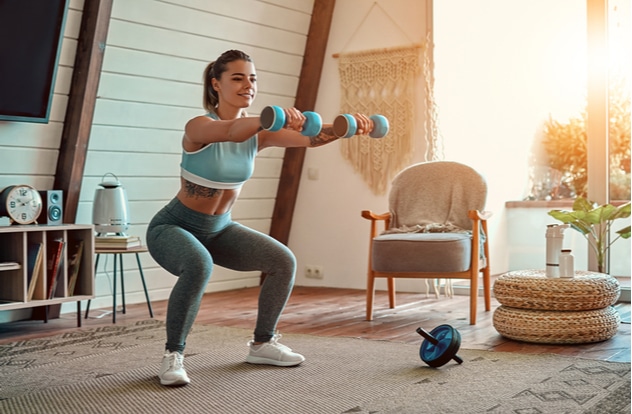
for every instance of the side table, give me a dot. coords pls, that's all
(538, 309)
(118, 255)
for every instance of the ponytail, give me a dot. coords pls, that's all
(210, 99)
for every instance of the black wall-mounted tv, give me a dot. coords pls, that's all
(31, 33)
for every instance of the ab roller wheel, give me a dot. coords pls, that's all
(440, 346)
(345, 126)
(273, 119)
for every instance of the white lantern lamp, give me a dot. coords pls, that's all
(110, 210)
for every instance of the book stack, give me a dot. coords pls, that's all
(117, 242)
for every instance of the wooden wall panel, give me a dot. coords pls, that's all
(291, 16)
(123, 87)
(202, 48)
(171, 16)
(31, 135)
(144, 63)
(129, 139)
(142, 115)
(264, 187)
(25, 161)
(303, 6)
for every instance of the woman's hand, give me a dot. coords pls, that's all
(365, 124)
(294, 119)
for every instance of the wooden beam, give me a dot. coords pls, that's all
(71, 160)
(305, 101)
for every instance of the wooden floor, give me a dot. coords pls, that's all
(340, 312)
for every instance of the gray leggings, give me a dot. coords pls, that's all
(188, 244)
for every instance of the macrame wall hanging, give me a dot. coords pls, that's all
(380, 81)
(434, 140)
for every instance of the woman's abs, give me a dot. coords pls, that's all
(206, 200)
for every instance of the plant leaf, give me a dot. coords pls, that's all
(563, 216)
(622, 211)
(624, 233)
(582, 204)
(597, 216)
(605, 212)
(574, 218)
(581, 227)
(586, 215)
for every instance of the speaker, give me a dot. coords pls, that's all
(52, 207)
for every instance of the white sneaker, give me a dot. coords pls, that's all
(273, 353)
(172, 370)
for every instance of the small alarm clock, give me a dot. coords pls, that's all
(21, 203)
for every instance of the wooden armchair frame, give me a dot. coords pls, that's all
(479, 221)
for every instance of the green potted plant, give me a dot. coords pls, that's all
(594, 222)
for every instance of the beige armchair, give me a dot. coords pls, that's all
(435, 228)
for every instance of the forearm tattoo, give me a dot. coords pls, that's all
(198, 191)
(325, 136)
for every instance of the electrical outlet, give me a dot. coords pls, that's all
(314, 272)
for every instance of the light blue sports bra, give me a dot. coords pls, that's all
(221, 165)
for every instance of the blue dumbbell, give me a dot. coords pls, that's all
(345, 126)
(273, 119)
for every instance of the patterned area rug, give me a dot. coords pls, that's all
(113, 370)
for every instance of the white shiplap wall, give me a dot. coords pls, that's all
(151, 84)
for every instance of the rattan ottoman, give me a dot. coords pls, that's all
(538, 309)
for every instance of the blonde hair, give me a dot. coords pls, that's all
(215, 70)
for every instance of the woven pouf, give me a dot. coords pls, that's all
(531, 289)
(556, 327)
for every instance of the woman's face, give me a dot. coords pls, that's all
(237, 85)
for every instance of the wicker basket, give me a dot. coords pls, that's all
(531, 289)
(556, 327)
